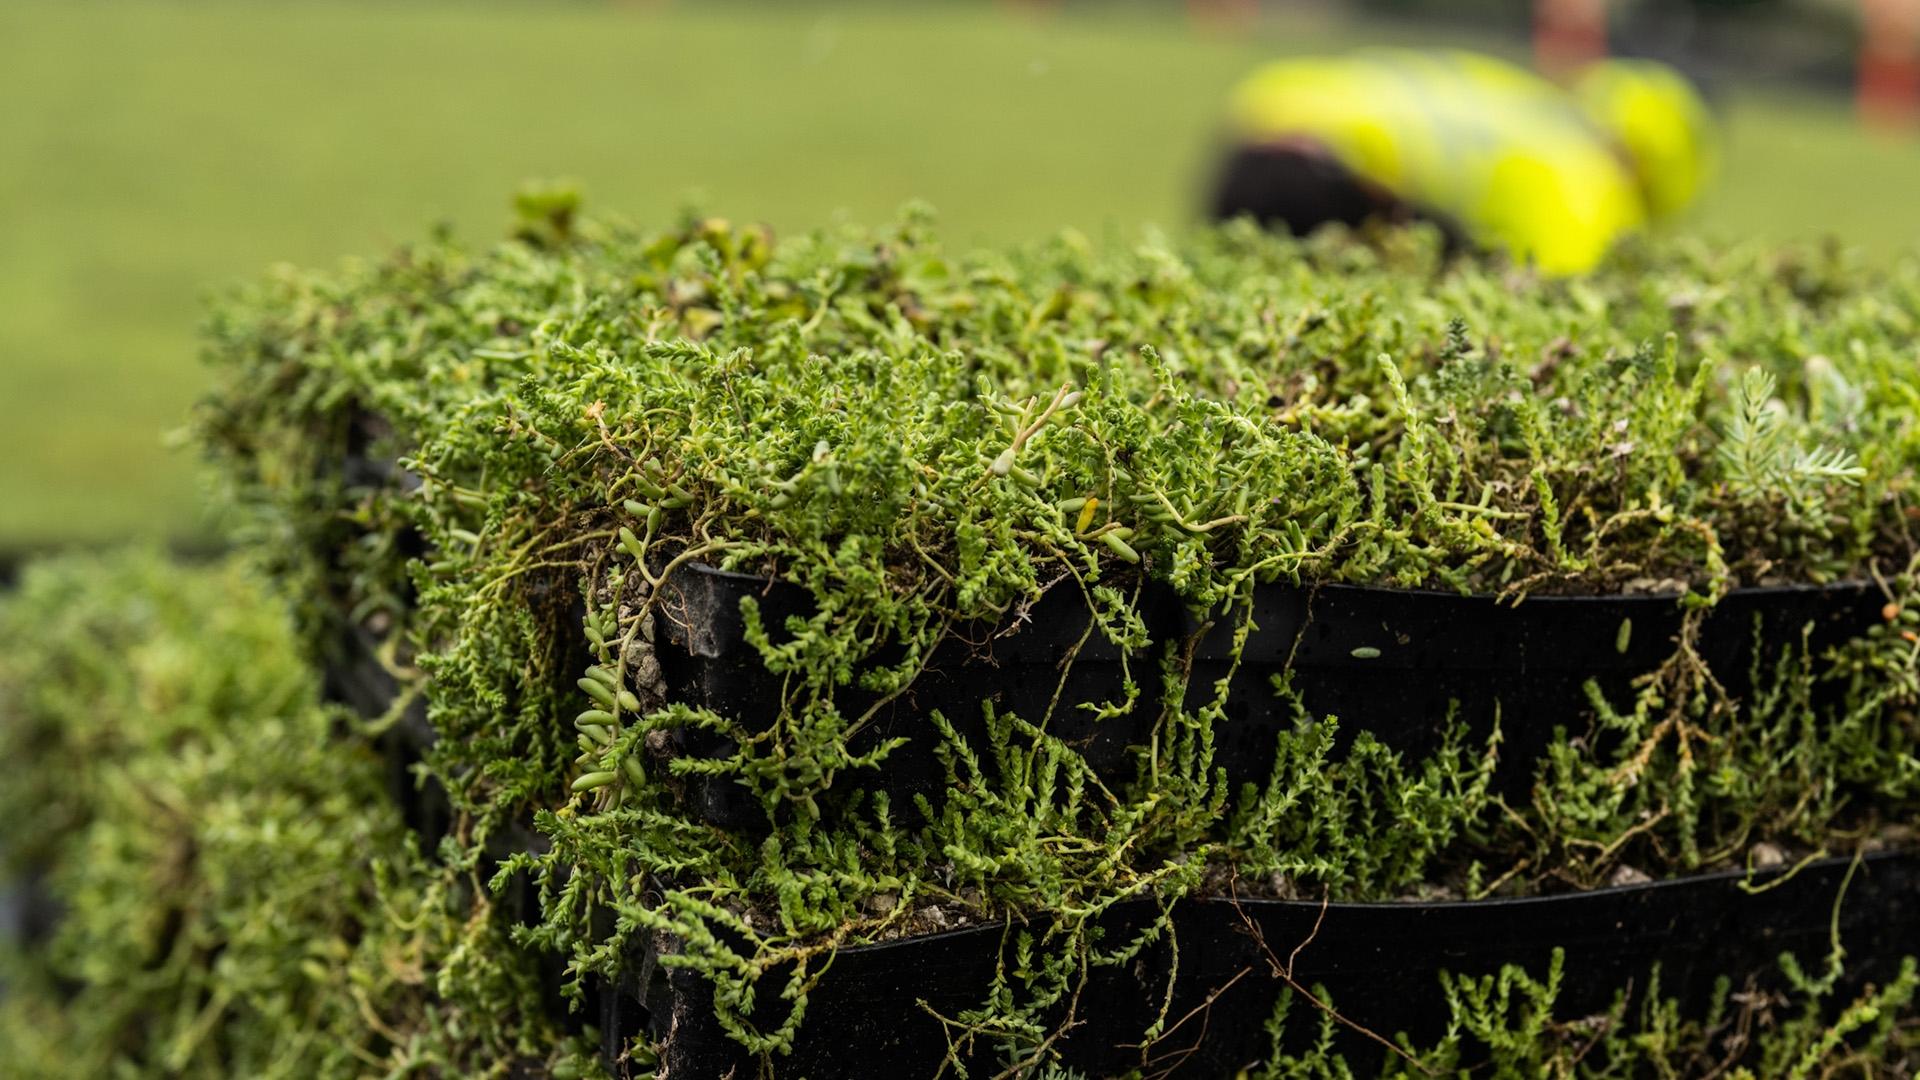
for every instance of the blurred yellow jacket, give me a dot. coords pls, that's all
(1507, 156)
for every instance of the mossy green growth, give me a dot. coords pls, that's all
(236, 893)
(1687, 413)
(458, 452)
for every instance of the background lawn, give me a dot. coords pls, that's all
(150, 151)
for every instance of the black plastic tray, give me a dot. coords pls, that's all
(1379, 963)
(23, 901)
(356, 678)
(1393, 662)
(1396, 663)
(28, 912)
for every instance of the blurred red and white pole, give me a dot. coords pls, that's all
(1888, 93)
(1568, 34)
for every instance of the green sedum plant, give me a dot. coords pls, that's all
(485, 466)
(236, 894)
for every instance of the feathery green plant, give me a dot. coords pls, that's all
(237, 894)
(1506, 1025)
(460, 452)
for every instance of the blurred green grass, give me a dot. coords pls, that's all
(151, 151)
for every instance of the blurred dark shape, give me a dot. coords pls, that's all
(1301, 187)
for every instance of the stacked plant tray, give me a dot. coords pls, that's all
(857, 658)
